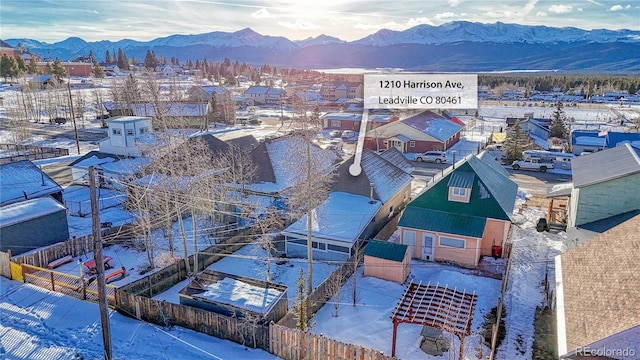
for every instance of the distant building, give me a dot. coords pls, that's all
(125, 136)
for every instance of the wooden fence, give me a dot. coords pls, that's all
(503, 291)
(293, 344)
(321, 294)
(164, 313)
(71, 285)
(74, 247)
(5, 264)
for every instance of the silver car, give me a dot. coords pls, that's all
(437, 157)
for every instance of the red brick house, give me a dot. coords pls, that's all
(422, 132)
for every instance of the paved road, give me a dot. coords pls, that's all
(50, 131)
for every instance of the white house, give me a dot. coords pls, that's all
(125, 135)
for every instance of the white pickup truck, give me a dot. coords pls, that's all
(532, 164)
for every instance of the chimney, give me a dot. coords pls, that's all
(371, 199)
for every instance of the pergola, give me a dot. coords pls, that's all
(435, 306)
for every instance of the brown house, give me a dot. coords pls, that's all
(422, 132)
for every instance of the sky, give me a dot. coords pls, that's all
(142, 20)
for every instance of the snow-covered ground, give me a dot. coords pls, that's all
(40, 324)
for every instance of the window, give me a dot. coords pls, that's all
(412, 143)
(116, 131)
(336, 123)
(129, 132)
(458, 191)
(144, 130)
(337, 248)
(450, 242)
(319, 245)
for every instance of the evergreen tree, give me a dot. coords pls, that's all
(123, 62)
(98, 71)
(515, 143)
(107, 58)
(302, 314)
(150, 60)
(32, 67)
(5, 67)
(58, 70)
(558, 126)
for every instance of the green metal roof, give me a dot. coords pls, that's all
(461, 179)
(443, 222)
(493, 195)
(385, 250)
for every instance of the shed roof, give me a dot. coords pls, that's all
(23, 177)
(600, 286)
(385, 250)
(29, 209)
(611, 163)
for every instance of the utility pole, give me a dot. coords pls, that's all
(73, 116)
(97, 256)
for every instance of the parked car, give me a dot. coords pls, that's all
(532, 164)
(335, 133)
(348, 134)
(59, 120)
(102, 117)
(437, 157)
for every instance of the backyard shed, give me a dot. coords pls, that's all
(31, 224)
(237, 296)
(386, 260)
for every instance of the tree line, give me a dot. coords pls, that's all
(586, 85)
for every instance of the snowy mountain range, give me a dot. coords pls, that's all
(455, 46)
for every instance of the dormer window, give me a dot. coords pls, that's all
(460, 185)
(457, 191)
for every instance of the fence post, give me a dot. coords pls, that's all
(53, 286)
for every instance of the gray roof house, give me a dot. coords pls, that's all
(357, 209)
(605, 184)
(597, 292)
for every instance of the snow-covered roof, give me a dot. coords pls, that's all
(257, 90)
(342, 116)
(433, 125)
(27, 210)
(242, 295)
(94, 158)
(342, 217)
(126, 166)
(286, 158)
(22, 177)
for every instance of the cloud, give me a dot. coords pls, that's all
(541, 14)
(560, 9)
(619, 7)
(445, 15)
(261, 14)
(454, 3)
(418, 21)
(299, 24)
(595, 2)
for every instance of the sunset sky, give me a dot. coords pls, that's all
(142, 20)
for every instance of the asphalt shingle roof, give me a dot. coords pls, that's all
(611, 163)
(601, 285)
(433, 125)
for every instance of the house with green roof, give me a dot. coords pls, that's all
(465, 215)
